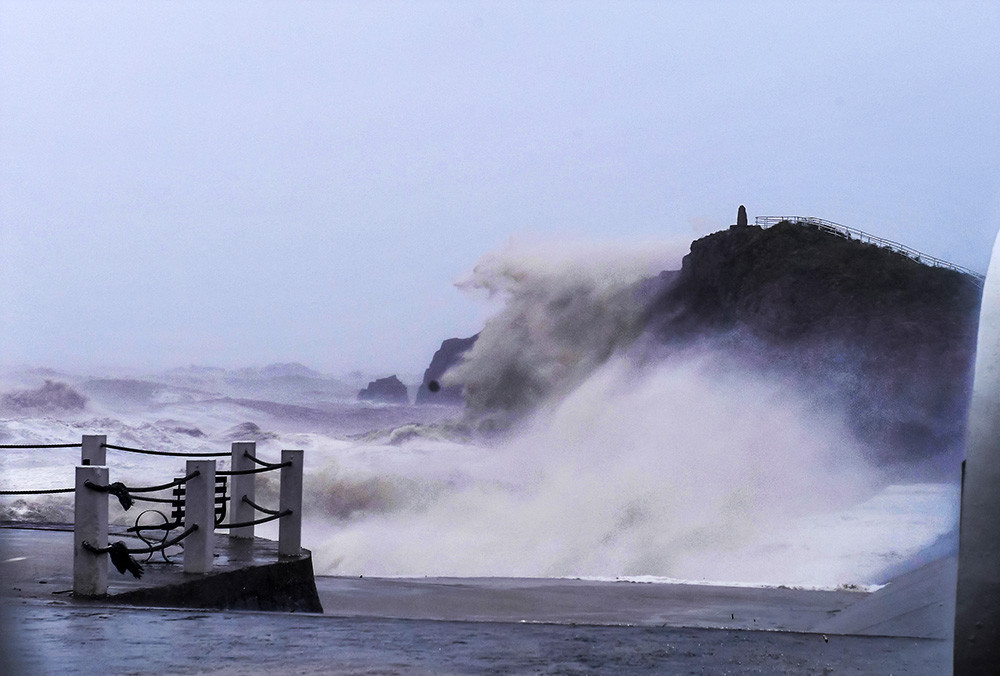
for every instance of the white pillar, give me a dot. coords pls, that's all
(93, 451)
(199, 509)
(977, 613)
(242, 485)
(90, 524)
(290, 527)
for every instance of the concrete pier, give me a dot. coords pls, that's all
(246, 575)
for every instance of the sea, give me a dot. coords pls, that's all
(670, 473)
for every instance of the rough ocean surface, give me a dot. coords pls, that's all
(598, 486)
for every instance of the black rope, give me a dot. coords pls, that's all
(257, 470)
(255, 522)
(117, 489)
(175, 482)
(143, 550)
(41, 445)
(270, 465)
(124, 493)
(42, 491)
(170, 453)
(253, 504)
(167, 501)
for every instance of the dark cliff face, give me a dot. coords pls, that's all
(388, 390)
(449, 354)
(894, 337)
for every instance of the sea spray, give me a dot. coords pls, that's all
(568, 306)
(622, 455)
(692, 468)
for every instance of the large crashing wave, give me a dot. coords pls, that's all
(568, 307)
(685, 469)
(629, 459)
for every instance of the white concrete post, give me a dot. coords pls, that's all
(90, 524)
(93, 451)
(290, 527)
(199, 508)
(977, 601)
(242, 485)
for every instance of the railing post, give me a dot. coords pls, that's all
(199, 509)
(93, 451)
(290, 527)
(242, 485)
(90, 524)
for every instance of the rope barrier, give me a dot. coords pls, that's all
(169, 453)
(42, 491)
(265, 510)
(124, 493)
(269, 465)
(41, 445)
(142, 550)
(121, 555)
(117, 489)
(142, 498)
(257, 470)
(161, 487)
(255, 522)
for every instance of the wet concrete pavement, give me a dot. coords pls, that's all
(439, 626)
(581, 602)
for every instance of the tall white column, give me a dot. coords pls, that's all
(977, 612)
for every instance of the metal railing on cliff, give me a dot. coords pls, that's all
(853, 233)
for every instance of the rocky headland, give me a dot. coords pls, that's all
(892, 336)
(885, 338)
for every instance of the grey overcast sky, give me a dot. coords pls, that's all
(239, 183)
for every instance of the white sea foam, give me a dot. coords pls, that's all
(686, 470)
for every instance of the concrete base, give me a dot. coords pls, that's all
(246, 574)
(286, 585)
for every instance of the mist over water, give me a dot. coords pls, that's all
(683, 470)
(568, 306)
(617, 455)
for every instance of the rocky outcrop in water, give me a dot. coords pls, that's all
(894, 337)
(386, 390)
(51, 397)
(449, 354)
